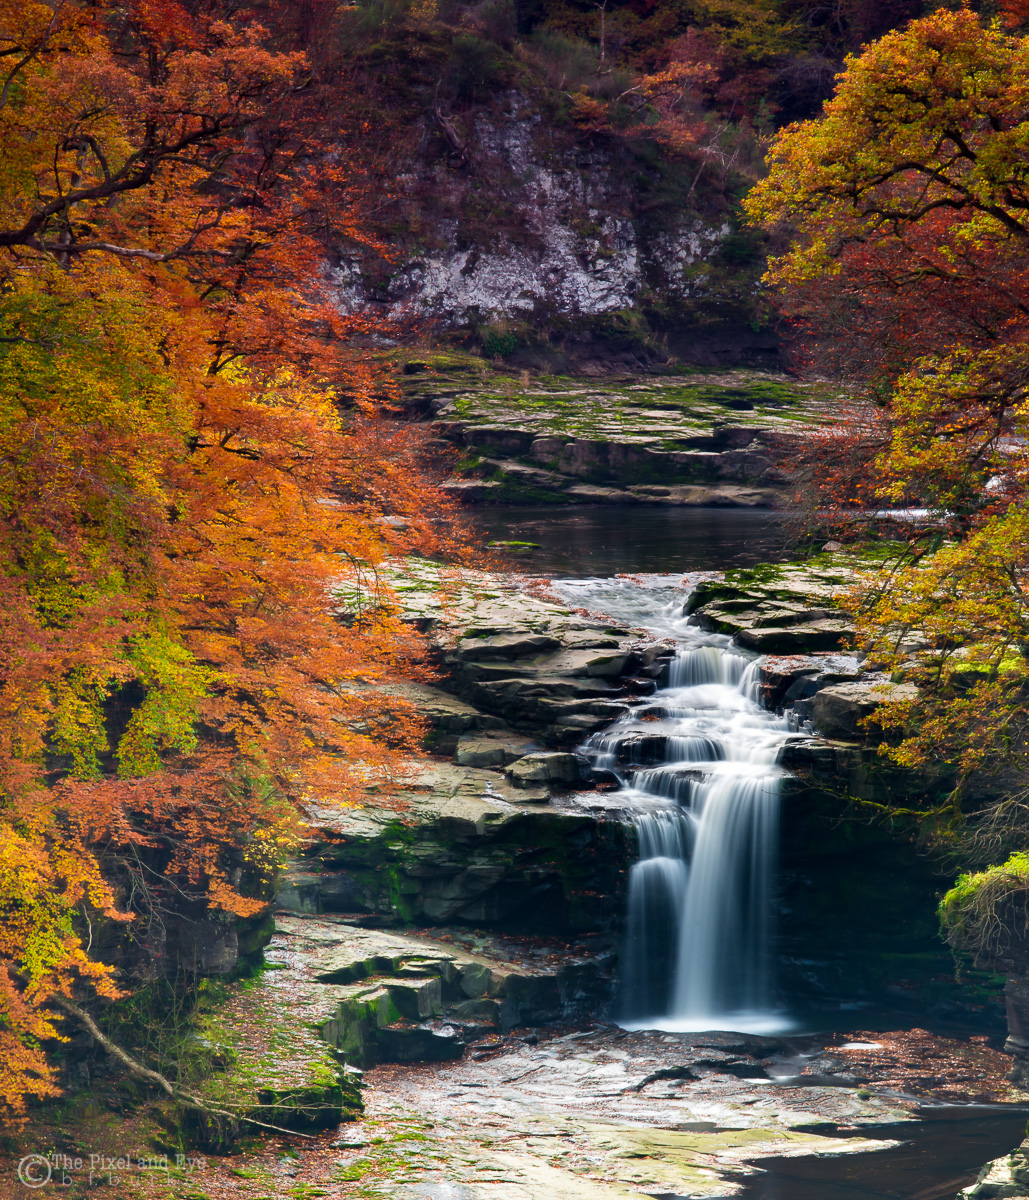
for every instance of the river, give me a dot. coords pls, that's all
(698, 776)
(579, 540)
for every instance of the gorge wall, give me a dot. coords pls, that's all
(573, 247)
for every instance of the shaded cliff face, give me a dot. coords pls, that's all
(576, 236)
(545, 170)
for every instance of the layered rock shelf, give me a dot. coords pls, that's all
(479, 833)
(505, 827)
(702, 440)
(473, 925)
(796, 615)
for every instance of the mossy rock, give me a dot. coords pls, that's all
(279, 1070)
(986, 914)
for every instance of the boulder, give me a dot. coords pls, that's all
(504, 646)
(491, 752)
(471, 491)
(475, 979)
(799, 676)
(483, 1011)
(416, 999)
(545, 767)
(430, 1041)
(841, 710)
(817, 634)
(1003, 1179)
(1016, 1002)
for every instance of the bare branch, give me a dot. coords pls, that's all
(155, 1077)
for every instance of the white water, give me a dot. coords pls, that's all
(699, 780)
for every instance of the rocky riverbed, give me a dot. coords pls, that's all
(443, 971)
(694, 440)
(498, 833)
(523, 1100)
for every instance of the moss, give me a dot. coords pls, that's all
(985, 912)
(259, 1054)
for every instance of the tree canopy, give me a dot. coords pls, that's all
(192, 459)
(906, 211)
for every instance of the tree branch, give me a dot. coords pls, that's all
(155, 1077)
(26, 59)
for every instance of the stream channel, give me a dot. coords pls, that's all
(698, 776)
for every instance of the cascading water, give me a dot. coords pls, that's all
(699, 780)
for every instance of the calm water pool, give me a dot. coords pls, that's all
(940, 1154)
(580, 540)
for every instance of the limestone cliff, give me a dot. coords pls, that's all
(578, 241)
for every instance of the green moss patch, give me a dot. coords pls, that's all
(277, 1068)
(986, 914)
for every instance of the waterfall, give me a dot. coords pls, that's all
(658, 886)
(724, 962)
(698, 951)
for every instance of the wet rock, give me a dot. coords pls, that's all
(815, 1079)
(783, 610)
(679, 1072)
(741, 1068)
(640, 749)
(545, 767)
(841, 710)
(522, 661)
(528, 999)
(787, 679)
(754, 1045)
(1003, 1179)
(815, 633)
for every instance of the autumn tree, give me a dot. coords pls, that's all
(193, 463)
(907, 210)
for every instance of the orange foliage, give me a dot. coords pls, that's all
(193, 466)
(1014, 12)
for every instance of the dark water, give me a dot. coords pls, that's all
(940, 1154)
(582, 540)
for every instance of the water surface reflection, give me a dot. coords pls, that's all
(578, 540)
(938, 1155)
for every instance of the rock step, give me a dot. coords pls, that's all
(436, 1000)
